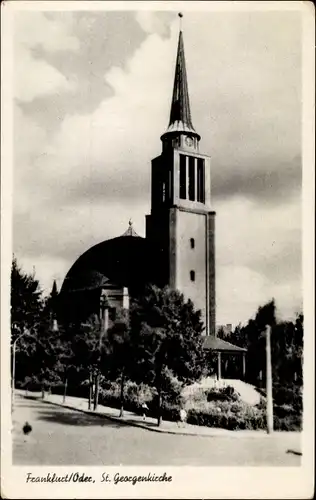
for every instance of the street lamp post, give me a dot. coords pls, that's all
(26, 331)
(13, 364)
(269, 381)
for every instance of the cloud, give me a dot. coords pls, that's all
(34, 29)
(35, 77)
(154, 22)
(240, 291)
(258, 256)
(77, 183)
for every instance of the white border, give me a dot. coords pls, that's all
(188, 482)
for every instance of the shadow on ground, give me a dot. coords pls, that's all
(135, 421)
(64, 415)
(29, 404)
(76, 418)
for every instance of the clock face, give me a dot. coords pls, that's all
(189, 141)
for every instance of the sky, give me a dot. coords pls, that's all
(92, 93)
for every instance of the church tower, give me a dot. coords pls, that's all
(182, 224)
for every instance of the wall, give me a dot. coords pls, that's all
(192, 225)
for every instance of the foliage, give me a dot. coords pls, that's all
(89, 346)
(121, 350)
(168, 333)
(26, 300)
(152, 354)
(222, 394)
(215, 417)
(286, 347)
(134, 395)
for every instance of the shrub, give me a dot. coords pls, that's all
(134, 395)
(215, 417)
(171, 388)
(287, 423)
(194, 398)
(286, 395)
(224, 394)
(230, 415)
(169, 412)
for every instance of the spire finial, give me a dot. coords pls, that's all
(180, 20)
(130, 230)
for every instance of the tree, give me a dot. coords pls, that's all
(168, 332)
(120, 360)
(26, 313)
(26, 299)
(286, 347)
(90, 347)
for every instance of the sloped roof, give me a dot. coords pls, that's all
(217, 344)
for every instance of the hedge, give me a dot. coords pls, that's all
(226, 420)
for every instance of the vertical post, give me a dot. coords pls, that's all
(96, 391)
(65, 390)
(13, 374)
(90, 390)
(244, 365)
(219, 363)
(269, 381)
(196, 198)
(104, 327)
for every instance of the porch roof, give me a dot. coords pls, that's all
(217, 344)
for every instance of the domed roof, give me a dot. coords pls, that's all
(124, 260)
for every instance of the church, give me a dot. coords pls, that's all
(179, 248)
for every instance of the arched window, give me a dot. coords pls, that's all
(192, 242)
(192, 275)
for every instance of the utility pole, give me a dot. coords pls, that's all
(269, 381)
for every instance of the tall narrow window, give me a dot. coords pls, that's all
(200, 181)
(183, 177)
(163, 192)
(191, 178)
(192, 242)
(112, 313)
(170, 186)
(192, 275)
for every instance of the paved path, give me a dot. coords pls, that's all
(62, 436)
(151, 423)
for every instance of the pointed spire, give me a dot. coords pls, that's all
(130, 230)
(54, 291)
(180, 113)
